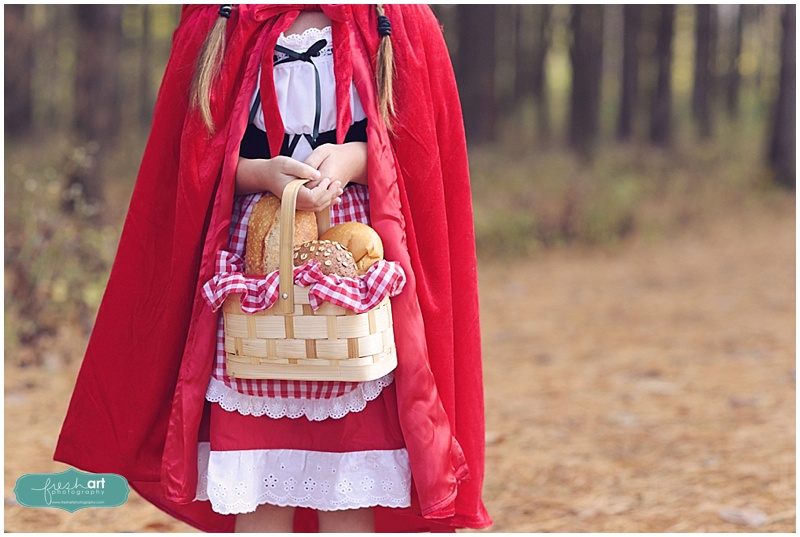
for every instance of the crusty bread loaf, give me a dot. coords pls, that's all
(333, 258)
(262, 254)
(361, 240)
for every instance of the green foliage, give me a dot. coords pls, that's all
(526, 200)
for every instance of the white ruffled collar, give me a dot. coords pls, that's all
(301, 42)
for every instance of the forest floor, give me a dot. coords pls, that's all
(644, 388)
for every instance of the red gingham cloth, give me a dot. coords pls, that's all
(353, 207)
(359, 294)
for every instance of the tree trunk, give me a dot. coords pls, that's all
(52, 82)
(758, 15)
(632, 21)
(145, 81)
(782, 152)
(705, 37)
(523, 52)
(96, 99)
(534, 29)
(539, 86)
(586, 53)
(475, 70)
(733, 78)
(506, 58)
(18, 63)
(661, 110)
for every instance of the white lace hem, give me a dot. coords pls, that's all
(295, 407)
(239, 481)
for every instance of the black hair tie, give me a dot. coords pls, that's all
(225, 10)
(384, 26)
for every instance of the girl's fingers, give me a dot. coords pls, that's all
(336, 186)
(327, 189)
(321, 187)
(301, 170)
(319, 197)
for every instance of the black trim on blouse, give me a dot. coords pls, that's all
(254, 143)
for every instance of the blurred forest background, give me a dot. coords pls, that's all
(589, 126)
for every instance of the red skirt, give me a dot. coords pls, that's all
(358, 460)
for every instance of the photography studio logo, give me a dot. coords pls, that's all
(71, 490)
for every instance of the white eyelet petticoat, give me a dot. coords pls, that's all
(239, 481)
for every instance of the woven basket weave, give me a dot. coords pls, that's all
(293, 342)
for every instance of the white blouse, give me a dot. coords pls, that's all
(295, 87)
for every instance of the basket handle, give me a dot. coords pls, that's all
(286, 265)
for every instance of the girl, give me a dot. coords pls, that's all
(360, 100)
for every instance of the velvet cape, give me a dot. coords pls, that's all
(139, 396)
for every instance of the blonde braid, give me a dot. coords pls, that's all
(384, 71)
(209, 64)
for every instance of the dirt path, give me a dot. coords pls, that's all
(655, 390)
(647, 390)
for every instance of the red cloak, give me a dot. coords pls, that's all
(139, 396)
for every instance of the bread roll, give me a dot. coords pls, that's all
(333, 258)
(361, 240)
(262, 254)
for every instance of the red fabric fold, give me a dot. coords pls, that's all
(139, 398)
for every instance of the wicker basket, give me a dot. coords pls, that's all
(291, 341)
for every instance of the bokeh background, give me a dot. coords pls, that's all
(633, 172)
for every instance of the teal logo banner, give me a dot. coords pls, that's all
(72, 490)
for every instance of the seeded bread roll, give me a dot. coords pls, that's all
(262, 254)
(333, 258)
(361, 240)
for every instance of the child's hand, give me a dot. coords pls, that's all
(259, 175)
(344, 163)
(319, 195)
